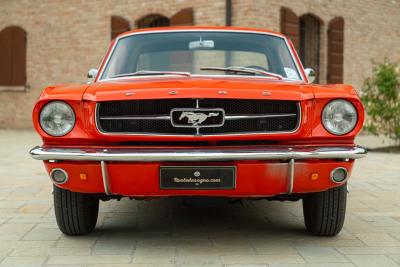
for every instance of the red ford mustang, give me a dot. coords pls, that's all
(199, 111)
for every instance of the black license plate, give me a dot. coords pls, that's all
(197, 177)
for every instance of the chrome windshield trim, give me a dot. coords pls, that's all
(299, 67)
(196, 154)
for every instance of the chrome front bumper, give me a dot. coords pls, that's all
(103, 155)
(196, 155)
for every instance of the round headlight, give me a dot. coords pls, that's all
(57, 118)
(339, 117)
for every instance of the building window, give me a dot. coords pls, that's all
(335, 50)
(153, 20)
(309, 50)
(183, 17)
(118, 26)
(13, 56)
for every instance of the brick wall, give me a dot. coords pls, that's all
(66, 38)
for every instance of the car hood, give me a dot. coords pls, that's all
(197, 87)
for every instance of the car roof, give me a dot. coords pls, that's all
(206, 28)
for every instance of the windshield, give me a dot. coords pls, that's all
(201, 53)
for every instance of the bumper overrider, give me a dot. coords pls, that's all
(261, 171)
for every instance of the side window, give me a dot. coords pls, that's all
(310, 42)
(13, 56)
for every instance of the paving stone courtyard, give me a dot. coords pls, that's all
(170, 232)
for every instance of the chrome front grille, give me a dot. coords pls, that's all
(241, 116)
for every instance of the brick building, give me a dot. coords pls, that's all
(53, 41)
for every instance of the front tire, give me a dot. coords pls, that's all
(76, 213)
(324, 212)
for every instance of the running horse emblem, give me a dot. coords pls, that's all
(197, 118)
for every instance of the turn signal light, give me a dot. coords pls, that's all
(314, 176)
(83, 176)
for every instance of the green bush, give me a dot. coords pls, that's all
(381, 97)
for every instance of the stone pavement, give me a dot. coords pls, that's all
(215, 233)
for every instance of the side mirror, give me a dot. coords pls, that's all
(92, 73)
(310, 74)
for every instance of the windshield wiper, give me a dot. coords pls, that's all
(152, 72)
(244, 70)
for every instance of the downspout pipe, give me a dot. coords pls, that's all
(228, 12)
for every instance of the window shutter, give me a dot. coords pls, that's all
(118, 26)
(290, 26)
(19, 57)
(13, 56)
(335, 50)
(6, 56)
(183, 18)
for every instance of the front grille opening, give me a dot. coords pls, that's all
(157, 112)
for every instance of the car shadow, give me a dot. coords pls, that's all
(201, 218)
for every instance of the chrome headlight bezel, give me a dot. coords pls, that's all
(67, 114)
(348, 109)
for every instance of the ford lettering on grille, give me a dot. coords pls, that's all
(197, 117)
